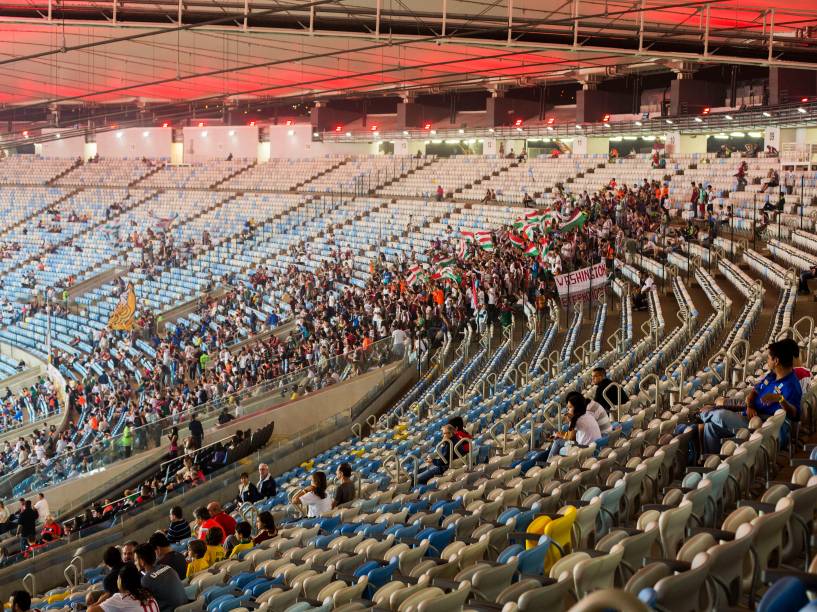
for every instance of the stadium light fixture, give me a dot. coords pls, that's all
(518, 122)
(550, 128)
(252, 123)
(801, 110)
(59, 135)
(315, 135)
(729, 117)
(551, 120)
(518, 129)
(231, 133)
(289, 122)
(767, 114)
(578, 127)
(606, 125)
(145, 134)
(433, 132)
(490, 130)
(737, 134)
(338, 128)
(204, 134)
(461, 131)
(201, 123)
(25, 133)
(119, 134)
(705, 111)
(606, 118)
(698, 120)
(291, 133)
(427, 126)
(669, 121)
(638, 123)
(804, 99)
(374, 128)
(165, 124)
(755, 135)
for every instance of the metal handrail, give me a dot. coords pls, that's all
(731, 352)
(642, 388)
(491, 433)
(620, 389)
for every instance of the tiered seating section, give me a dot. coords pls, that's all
(503, 524)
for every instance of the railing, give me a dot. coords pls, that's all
(101, 453)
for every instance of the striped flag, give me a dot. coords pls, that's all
(534, 216)
(575, 221)
(462, 249)
(415, 275)
(468, 236)
(443, 261)
(532, 250)
(485, 241)
(450, 275)
(529, 230)
(517, 241)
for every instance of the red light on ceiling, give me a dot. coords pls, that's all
(606, 118)
(551, 120)
(427, 126)
(518, 122)
(705, 111)
(252, 123)
(374, 128)
(165, 124)
(201, 123)
(803, 99)
(338, 128)
(289, 122)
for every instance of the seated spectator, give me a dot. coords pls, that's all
(600, 414)
(204, 522)
(196, 554)
(224, 520)
(215, 548)
(438, 464)
(244, 533)
(166, 555)
(805, 277)
(129, 551)
(266, 483)
(803, 374)
(778, 389)
(224, 417)
(460, 433)
(247, 491)
(20, 601)
(345, 491)
(160, 580)
(265, 526)
(314, 496)
(112, 558)
(5, 515)
(600, 380)
(131, 596)
(179, 528)
(582, 429)
(51, 530)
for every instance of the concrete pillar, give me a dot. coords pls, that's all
(691, 96)
(326, 118)
(593, 104)
(412, 114)
(788, 85)
(503, 111)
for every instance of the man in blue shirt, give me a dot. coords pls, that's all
(778, 389)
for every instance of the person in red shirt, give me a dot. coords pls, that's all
(460, 434)
(51, 531)
(224, 520)
(204, 523)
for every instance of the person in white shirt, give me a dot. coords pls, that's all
(600, 414)
(314, 496)
(583, 428)
(41, 506)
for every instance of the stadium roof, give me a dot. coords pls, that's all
(152, 50)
